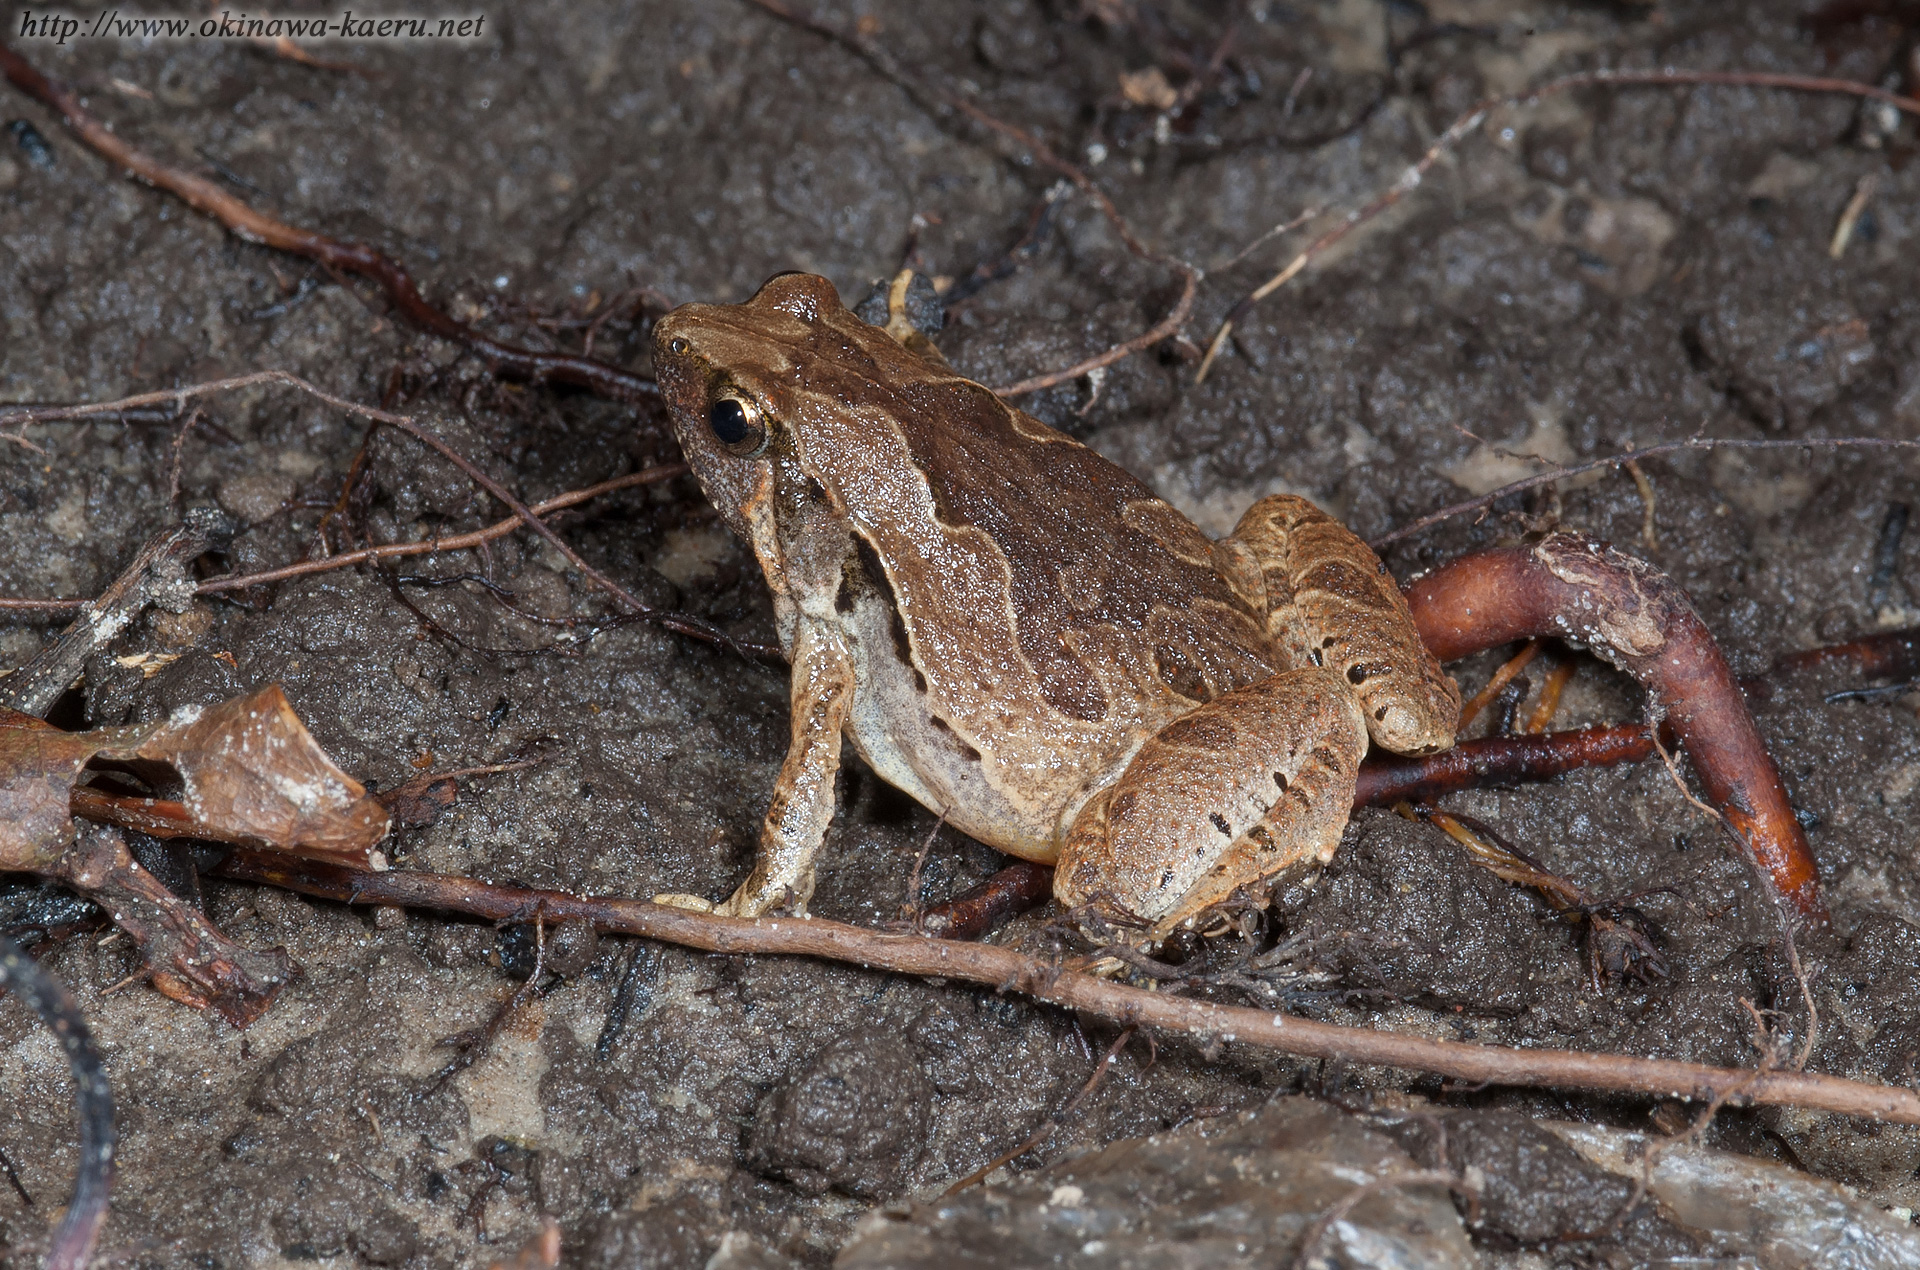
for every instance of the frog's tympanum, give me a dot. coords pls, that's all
(1020, 635)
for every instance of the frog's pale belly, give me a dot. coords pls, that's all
(1023, 812)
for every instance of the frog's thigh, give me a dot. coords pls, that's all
(1254, 781)
(803, 798)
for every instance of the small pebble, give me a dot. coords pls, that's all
(31, 143)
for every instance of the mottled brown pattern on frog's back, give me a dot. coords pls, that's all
(1087, 545)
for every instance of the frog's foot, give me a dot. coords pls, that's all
(692, 903)
(1252, 783)
(753, 899)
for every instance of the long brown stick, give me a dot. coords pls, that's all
(349, 257)
(1008, 970)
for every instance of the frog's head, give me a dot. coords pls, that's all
(741, 381)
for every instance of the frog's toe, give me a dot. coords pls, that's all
(1102, 967)
(693, 903)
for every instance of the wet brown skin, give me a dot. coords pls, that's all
(1019, 634)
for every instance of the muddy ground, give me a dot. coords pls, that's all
(1605, 269)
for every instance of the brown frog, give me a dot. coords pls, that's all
(1022, 636)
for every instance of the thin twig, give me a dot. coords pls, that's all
(1501, 678)
(1550, 691)
(1285, 227)
(385, 551)
(1673, 770)
(430, 546)
(1005, 969)
(1039, 1136)
(179, 457)
(679, 622)
(476, 1043)
(1621, 460)
(1850, 217)
(1466, 124)
(921, 87)
(911, 910)
(20, 439)
(1780, 907)
(1648, 533)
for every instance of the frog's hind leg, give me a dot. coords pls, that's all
(1255, 781)
(1331, 603)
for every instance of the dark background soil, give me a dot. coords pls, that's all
(1607, 269)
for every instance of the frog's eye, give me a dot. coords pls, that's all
(736, 423)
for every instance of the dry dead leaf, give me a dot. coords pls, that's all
(248, 771)
(1148, 88)
(244, 771)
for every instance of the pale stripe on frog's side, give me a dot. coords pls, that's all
(1007, 625)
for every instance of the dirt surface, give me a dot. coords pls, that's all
(1609, 268)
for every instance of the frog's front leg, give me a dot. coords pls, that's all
(1254, 781)
(803, 797)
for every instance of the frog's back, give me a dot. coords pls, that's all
(1093, 557)
(1034, 544)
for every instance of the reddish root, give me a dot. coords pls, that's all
(185, 956)
(1889, 655)
(1471, 708)
(1634, 616)
(1013, 890)
(1498, 760)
